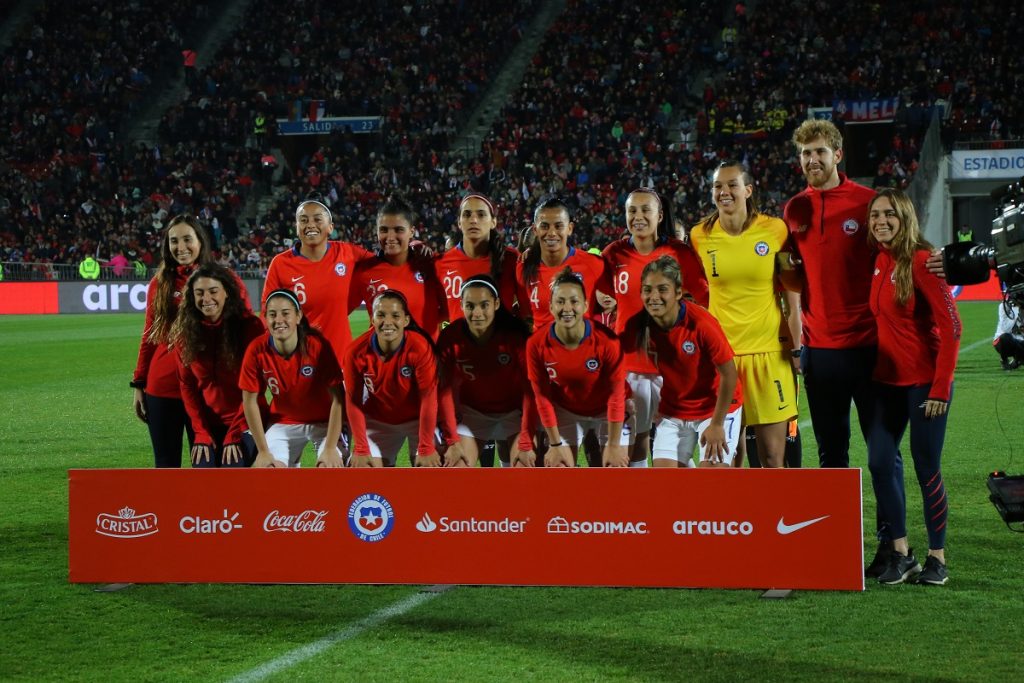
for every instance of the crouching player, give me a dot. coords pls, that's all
(700, 398)
(391, 387)
(297, 365)
(482, 356)
(578, 377)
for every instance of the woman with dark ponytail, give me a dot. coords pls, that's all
(296, 364)
(480, 352)
(396, 267)
(391, 387)
(579, 384)
(651, 229)
(211, 333)
(481, 251)
(548, 255)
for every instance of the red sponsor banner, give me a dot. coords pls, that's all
(989, 290)
(587, 527)
(19, 298)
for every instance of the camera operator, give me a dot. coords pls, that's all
(1009, 337)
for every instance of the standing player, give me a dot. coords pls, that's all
(549, 254)
(394, 269)
(480, 252)
(650, 236)
(211, 333)
(480, 352)
(158, 403)
(579, 382)
(701, 401)
(839, 336)
(391, 388)
(296, 363)
(918, 338)
(319, 272)
(738, 247)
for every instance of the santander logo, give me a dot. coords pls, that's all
(307, 521)
(426, 524)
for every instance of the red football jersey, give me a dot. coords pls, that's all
(209, 387)
(686, 356)
(298, 384)
(418, 283)
(489, 377)
(156, 365)
(535, 296)
(455, 267)
(589, 380)
(322, 287)
(624, 269)
(393, 389)
(919, 341)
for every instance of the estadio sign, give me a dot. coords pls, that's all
(504, 527)
(986, 164)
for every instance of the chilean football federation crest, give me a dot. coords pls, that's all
(307, 370)
(370, 517)
(504, 359)
(593, 364)
(340, 270)
(851, 226)
(761, 248)
(689, 347)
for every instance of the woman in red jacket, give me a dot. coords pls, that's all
(918, 339)
(211, 333)
(158, 403)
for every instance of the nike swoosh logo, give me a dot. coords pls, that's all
(547, 364)
(373, 282)
(451, 272)
(786, 529)
(622, 265)
(296, 279)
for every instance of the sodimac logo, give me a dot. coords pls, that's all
(127, 524)
(561, 525)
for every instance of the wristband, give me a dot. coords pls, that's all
(137, 384)
(556, 445)
(795, 353)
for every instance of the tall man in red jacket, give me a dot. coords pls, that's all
(828, 229)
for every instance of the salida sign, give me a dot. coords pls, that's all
(509, 527)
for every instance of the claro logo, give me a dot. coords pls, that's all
(114, 297)
(202, 525)
(707, 527)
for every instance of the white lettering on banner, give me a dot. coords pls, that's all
(126, 524)
(108, 297)
(447, 525)
(560, 525)
(707, 527)
(989, 163)
(201, 525)
(307, 521)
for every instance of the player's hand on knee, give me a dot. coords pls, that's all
(331, 457)
(429, 460)
(200, 453)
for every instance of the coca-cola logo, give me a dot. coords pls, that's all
(126, 524)
(307, 521)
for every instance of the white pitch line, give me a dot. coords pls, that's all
(963, 349)
(301, 654)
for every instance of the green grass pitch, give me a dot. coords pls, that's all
(64, 402)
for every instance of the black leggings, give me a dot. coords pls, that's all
(167, 421)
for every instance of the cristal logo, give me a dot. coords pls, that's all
(560, 525)
(707, 527)
(202, 525)
(126, 524)
(307, 521)
(447, 525)
(426, 524)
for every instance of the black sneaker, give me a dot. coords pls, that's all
(934, 573)
(881, 561)
(901, 567)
